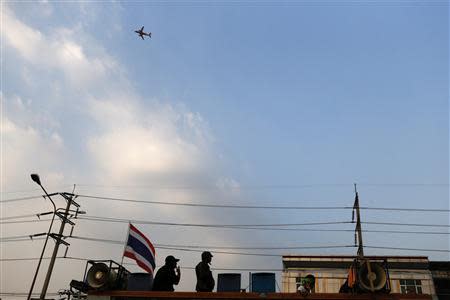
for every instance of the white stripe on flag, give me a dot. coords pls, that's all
(139, 257)
(142, 240)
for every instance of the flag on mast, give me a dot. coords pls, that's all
(139, 248)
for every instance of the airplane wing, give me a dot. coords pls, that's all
(142, 37)
(142, 29)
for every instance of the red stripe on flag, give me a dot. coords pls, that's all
(142, 265)
(144, 237)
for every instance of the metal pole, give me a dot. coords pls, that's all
(55, 250)
(45, 245)
(358, 225)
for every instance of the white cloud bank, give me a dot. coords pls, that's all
(127, 136)
(71, 115)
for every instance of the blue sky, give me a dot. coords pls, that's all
(244, 103)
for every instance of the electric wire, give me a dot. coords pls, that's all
(407, 249)
(18, 217)
(190, 248)
(406, 224)
(214, 205)
(193, 247)
(261, 227)
(261, 207)
(240, 206)
(127, 263)
(120, 220)
(21, 199)
(257, 186)
(193, 268)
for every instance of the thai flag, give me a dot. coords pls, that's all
(140, 249)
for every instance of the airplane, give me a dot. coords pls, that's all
(142, 33)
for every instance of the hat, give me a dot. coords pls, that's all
(206, 254)
(170, 258)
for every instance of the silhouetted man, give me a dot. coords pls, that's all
(205, 280)
(167, 275)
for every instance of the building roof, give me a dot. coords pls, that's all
(345, 261)
(354, 256)
(439, 265)
(257, 296)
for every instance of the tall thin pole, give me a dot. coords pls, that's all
(126, 243)
(358, 225)
(55, 249)
(43, 248)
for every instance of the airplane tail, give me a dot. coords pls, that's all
(149, 34)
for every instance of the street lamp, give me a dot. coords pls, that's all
(35, 178)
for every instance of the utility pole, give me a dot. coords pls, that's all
(358, 231)
(59, 238)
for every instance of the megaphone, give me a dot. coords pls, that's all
(372, 276)
(100, 276)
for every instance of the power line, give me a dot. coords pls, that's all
(241, 206)
(190, 248)
(408, 249)
(260, 186)
(18, 217)
(260, 207)
(96, 218)
(193, 268)
(23, 221)
(86, 259)
(215, 187)
(213, 205)
(21, 199)
(17, 237)
(244, 226)
(261, 227)
(406, 209)
(196, 248)
(406, 224)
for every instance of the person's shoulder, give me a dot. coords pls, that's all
(203, 265)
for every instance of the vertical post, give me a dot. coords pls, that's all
(55, 250)
(360, 253)
(43, 248)
(126, 243)
(358, 225)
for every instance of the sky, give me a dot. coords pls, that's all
(259, 103)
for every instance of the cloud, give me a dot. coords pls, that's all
(122, 132)
(57, 51)
(136, 141)
(26, 149)
(72, 115)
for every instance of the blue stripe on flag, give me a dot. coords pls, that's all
(141, 249)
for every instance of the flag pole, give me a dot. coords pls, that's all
(126, 243)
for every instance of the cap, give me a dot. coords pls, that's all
(170, 258)
(206, 254)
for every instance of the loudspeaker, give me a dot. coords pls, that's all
(100, 276)
(373, 280)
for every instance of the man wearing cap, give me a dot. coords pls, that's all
(205, 280)
(167, 275)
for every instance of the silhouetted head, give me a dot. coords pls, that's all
(206, 256)
(171, 261)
